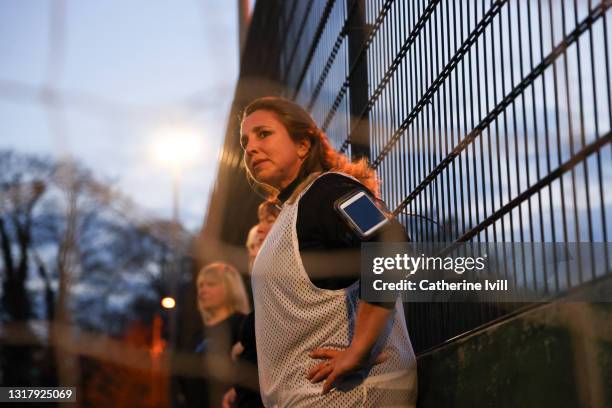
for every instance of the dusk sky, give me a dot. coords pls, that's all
(123, 75)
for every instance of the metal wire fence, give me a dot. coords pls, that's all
(487, 121)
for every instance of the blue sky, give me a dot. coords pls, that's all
(122, 72)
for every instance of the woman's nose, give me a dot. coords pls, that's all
(251, 147)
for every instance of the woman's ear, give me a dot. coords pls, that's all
(303, 147)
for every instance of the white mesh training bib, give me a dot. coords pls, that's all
(292, 317)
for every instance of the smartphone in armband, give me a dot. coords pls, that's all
(361, 213)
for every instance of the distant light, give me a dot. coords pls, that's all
(177, 147)
(168, 302)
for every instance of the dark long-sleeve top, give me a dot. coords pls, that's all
(214, 340)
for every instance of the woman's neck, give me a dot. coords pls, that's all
(216, 316)
(286, 192)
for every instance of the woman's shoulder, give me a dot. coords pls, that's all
(236, 318)
(325, 190)
(317, 208)
(336, 177)
(334, 185)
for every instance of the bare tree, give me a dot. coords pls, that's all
(58, 221)
(23, 181)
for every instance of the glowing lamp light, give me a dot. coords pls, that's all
(168, 302)
(177, 148)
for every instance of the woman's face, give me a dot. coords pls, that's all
(211, 293)
(270, 154)
(265, 224)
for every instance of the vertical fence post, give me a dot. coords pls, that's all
(358, 82)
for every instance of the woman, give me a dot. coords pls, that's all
(222, 298)
(245, 350)
(223, 304)
(311, 327)
(266, 214)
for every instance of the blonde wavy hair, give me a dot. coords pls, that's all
(321, 157)
(236, 299)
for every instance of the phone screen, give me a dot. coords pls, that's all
(364, 213)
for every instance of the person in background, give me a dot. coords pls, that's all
(266, 214)
(318, 343)
(245, 350)
(252, 245)
(223, 304)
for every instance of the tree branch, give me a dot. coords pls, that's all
(6, 252)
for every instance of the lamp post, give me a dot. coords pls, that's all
(175, 149)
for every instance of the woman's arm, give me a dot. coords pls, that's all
(370, 322)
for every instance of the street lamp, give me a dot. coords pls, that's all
(168, 302)
(175, 148)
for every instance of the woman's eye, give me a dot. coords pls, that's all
(264, 133)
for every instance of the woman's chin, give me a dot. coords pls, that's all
(264, 178)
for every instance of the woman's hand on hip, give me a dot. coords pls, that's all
(335, 364)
